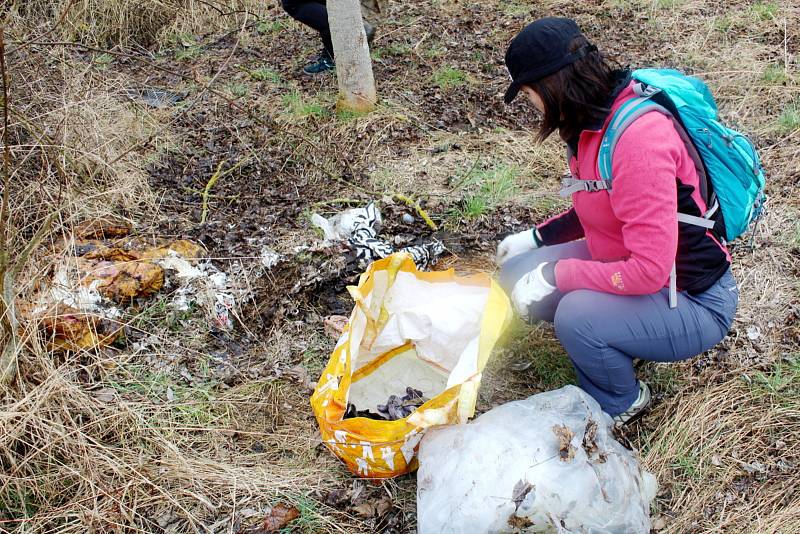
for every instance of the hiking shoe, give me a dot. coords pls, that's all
(323, 64)
(637, 409)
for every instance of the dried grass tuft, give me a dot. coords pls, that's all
(133, 22)
(725, 454)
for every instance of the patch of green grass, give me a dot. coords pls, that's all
(192, 404)
(688, 464)
(314, 361)
(663, 377)
(782, 384)
(621, 4)
(310, 519)
(515, 8)
(448, 77)
(764, 10)
(301, 107)
(794, 234)
(348, 114)
(143, 381)
(775, 75)
(551, 366)
(103, 60)
(474, 207)
(268, 27)
(263, 74)
(382, 179)
(398, 49)
(158, 314)
(547, 203)
(485, 188)
(789, 119)
(153, 314)
(377, 53)
(186, 46)
(541, 358)
(668, 4)
(434, 51)
(238, 90)
(723, 24)
(19, 504)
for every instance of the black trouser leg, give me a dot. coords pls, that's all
(313, 14)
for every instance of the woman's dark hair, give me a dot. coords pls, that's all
(576, 95)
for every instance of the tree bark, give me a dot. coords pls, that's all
(353, 64)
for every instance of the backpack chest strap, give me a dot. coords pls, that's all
(570, 185)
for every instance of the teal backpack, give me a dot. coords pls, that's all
(731, 176)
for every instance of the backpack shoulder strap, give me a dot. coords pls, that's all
(623, 117)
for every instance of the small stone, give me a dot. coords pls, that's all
(408, 218)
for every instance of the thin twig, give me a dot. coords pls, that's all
(8, 318)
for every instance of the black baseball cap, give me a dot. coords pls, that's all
(540, 49)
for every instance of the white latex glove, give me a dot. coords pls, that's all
(529, 289)
(514, 245)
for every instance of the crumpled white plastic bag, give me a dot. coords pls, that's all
(548, 463)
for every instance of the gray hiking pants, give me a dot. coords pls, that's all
(603, 332)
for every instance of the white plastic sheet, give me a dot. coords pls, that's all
(548, 463)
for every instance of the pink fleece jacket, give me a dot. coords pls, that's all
(631, 232)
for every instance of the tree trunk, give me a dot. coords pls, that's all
(353, 64)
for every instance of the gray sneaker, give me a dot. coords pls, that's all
(637, 409)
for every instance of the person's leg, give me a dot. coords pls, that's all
(314, 15)
(518, 266)
(602, 333)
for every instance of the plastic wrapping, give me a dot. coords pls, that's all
(548, 463)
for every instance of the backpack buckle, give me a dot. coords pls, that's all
(594, 186)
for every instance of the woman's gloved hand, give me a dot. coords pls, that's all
(516, 244)
(533, 287)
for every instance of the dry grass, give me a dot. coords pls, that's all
(76, 143)
(77, 458)
(726, 448)
(133, 22)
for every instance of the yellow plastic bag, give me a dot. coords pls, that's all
(432, 331)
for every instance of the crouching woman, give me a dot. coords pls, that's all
(601, 270)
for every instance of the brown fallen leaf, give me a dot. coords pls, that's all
(280, 516)
(374, 508)
(519, 523)
(102, 228)
(590, 441)
(566, 451)
(336, 498)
